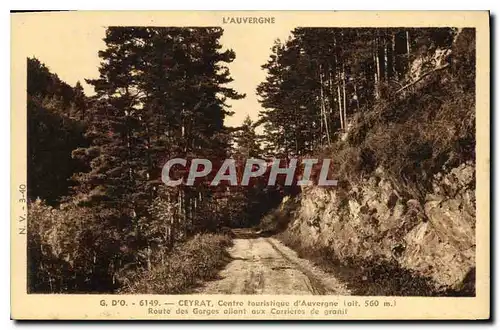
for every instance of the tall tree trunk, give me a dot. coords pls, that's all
(407, 42)
(332, 92)
(187, 205)
(180, 217)
(386, 60)
(345, 98)
(320, 139)
(392, 70)
(408, 51)
(149, 161)
(331, 99)
(376, 71)
(339, 97)
(380, 61)
(356, 97)
(323, 108)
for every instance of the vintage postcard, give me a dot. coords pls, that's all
(250, 165)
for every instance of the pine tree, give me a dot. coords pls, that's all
(160, 95)
(320, 77)
(247, 140)
(53, 132)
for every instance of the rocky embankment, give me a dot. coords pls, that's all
(373, 221)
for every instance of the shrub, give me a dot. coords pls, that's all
(71, 250)
(200, 258)
(278, 219)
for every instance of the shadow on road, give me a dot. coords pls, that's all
(246, 233)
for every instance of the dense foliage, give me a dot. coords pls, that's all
(398, 98)
(100, 219)
(55, 128)
(161, 94)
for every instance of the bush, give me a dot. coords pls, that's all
(85, 250)
(71, 250)
(200, 258)
(278, 219)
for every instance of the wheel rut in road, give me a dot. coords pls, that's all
(264, 265)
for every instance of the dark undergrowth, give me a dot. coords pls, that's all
(375, 277)
(277, 220)
(188, 264)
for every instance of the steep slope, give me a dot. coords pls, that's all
(374, 225)
(402, 219)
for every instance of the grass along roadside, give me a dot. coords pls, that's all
(198, 259)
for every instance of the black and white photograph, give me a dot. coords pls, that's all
(307, 161)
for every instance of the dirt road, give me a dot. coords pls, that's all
(263, 265)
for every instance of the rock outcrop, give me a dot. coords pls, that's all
(373, 220)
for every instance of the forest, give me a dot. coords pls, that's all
(102, 221)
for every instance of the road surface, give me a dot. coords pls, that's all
(263, 265)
